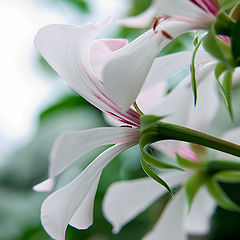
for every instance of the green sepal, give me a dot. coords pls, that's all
(224, 24)
(151, 160)
(186, 163)
(220, 196)
(193, 72)
(227, 86)
(217, 48)
(230, 176)
(147, 121)
(227, 4)
(193, 185)
(236, 42)
(154, 176)
(195, 41)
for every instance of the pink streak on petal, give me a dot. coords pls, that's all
(123, 120)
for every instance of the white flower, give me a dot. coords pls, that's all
(90, 67)
(126, 199)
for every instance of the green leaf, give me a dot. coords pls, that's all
(215, 166)
(147, 121)
(193, 74)
(192, 186)
(226, 86)
(236, 42)
(226, 4)
(151, 160)
(224, 24)
(217, 48)
(195, 41)
(220, 196)
(228, 176)
(154, 176)
(186, 163)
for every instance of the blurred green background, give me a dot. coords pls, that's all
(24, 162)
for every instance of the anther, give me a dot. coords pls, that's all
(167, 35)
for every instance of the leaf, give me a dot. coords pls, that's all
(151, 160)
(186, 163)
(147, 121)
(236, 42)
(228, 176)
(226, 4)
(192, 186)
(217, 48)
(193, 74)
(154, 176)
(226, 86)
(215, 166)
(220, 196)
(224, 24)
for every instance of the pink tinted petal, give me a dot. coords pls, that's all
(186, 152)
(101, 47)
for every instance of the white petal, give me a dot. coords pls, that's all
(170, 226)
(67, 49)
(71, 145)
(45, 186)
(183, 9)
(83, 217)
(148, 98)
(142, 20)
(126, 199)
(125, 72)
(166, 66)
(198, 221)
(175, 106)
(58, 209)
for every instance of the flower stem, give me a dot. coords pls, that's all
(167, 131)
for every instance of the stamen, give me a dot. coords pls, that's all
(167, 35)
(137, 108)
(155, 23)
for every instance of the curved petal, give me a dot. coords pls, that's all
(175, 106)
(83, 217)
(142, 20)
(198, 221)
(67, 49)
(126, 70)
(166, 66)
(170, 226)
(148, 98)
(59, 208)
(185, 9)
(71, 145)
(126, 199)
(45, 186)
(101, 47)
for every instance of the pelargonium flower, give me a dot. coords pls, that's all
(125, 200)
(200, 12)
(87, 65)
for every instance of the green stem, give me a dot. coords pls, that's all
(167, 131)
